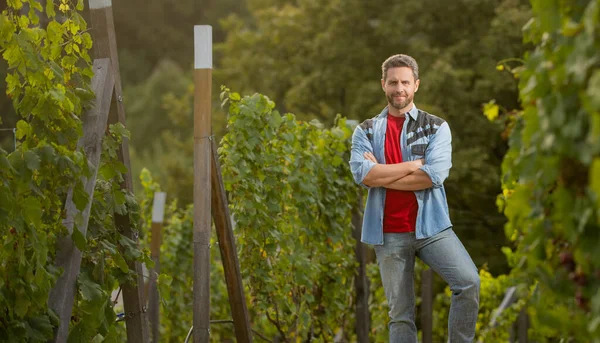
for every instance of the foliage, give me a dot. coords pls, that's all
(49, 71)
(290, 193)
(291, 196)
(106, 251)
(551, 174)
(176, 262)
(48, 82)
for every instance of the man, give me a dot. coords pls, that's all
(403, 156)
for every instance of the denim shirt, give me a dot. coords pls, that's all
(423, 136)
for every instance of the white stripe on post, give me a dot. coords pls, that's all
(158, 207)
(97, 4)
(203, 47)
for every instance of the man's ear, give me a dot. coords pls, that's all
(417, 83)
(383, 84)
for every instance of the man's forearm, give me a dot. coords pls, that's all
(384, 174)
(415, 181)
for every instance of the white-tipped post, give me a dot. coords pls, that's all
(203, 47)
(158, 207)
(202, 186)
(158, 214)
(98, 4)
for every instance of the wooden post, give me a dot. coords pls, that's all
(68, 256)
(158, 213)
(202, 189)
(523, 325)
(427, 305)
(231, 266)
(361, 282)
(105, 46)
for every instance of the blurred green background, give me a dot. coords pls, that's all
(317, 59)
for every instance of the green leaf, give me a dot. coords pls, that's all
(79, 333)
(107, 172)
(50, 9)
(121, 263)
(337, 160)
(120, 167)
(119, 131)
(118, 197)
(164, 283)
(79, 239)
(22, 304)
(23, 129)
(109, 246)
(89, 289)
(80, 197)
(131, 250)
(275, 119)
(32, 211)
(40, 327)
(234, 96)
(87, 41)
(54, 30)
(53, 317)
(32, 160)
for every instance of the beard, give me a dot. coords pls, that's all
(399, 104)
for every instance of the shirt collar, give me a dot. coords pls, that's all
(413, 113)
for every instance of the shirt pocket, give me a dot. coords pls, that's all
(418, 149)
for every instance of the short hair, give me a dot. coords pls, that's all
(400, 60)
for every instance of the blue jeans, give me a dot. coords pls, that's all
(445, 254)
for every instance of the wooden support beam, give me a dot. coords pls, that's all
(361, 282)
(68, 257)
(231, 265)
(202, 192)
(105, 45)
(523, 326)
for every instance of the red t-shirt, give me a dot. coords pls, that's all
(400, 210)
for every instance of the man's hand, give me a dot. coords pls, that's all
(369, 156)
(411, 179)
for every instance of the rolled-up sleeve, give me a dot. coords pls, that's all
(360, 166)
(438, 156)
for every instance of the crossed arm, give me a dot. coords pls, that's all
(404, 176)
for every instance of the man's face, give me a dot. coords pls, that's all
(400, 87)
